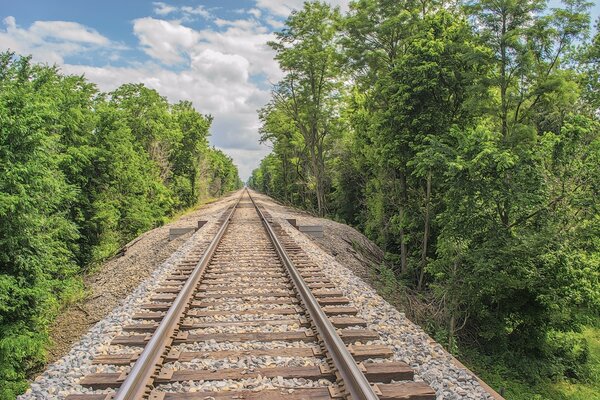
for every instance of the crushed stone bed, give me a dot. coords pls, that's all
(61, 377)
(260, 383)
(410, 343)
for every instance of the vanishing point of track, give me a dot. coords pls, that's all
(249, 293)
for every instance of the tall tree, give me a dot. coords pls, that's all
(191, 149)
(148, 117)
(37, 267)
(306, 50)
(377, 33)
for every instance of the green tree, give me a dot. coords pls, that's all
(306, 50)
(591, 72)
(82, 173)
(190, 150)
(148, 117)
(468, 149)
(36, 264)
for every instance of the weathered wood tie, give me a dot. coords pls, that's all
(245, 287)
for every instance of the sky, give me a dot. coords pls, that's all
(211, 52)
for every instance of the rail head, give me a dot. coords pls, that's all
(355, 382)
(135, 385)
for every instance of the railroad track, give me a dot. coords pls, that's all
(246, 315)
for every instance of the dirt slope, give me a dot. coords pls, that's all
(112, 282)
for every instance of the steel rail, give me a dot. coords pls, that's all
(355, 382)
(137, 381)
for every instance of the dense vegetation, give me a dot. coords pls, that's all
(464, 138)
(82, 173)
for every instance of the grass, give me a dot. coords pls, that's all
(200, 204)
(502, 380)
(583, 391)
(564, 390)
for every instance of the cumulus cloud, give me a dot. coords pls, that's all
(52, 41)
(283, 8)
(255, 12)
(248, 41)
(166, 41)
(68, 31)
(171, 43)
(198, 10)
(240, 23)
(275, 23)
(186, 12)
(163, 9)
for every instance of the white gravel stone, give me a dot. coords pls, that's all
(62, 377)
(410, 343)
(259, 383)
(245, 362)
(213, 345)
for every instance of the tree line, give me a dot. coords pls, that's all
(82, 173)
(464, 139)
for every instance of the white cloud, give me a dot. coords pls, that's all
(275, 23)
(240, 23)
(166, 41)
(68, 31)
(171, 43)
(283, 8)
(187, 12)
(224, 68)
(255, 12)
(52, 41)
(163, 9)
(247, 41)
(198, 10)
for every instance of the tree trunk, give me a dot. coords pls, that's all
(193, 186)
(425, 231)
(403, 203)
(285, 177)
(503, 82)
(451, 329)
(453, 310)
(318, 173)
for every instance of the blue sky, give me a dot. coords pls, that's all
(211, 52)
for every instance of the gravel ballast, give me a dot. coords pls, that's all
(61, 377)
(409, 342)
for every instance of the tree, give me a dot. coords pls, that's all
(306, 52)
(591, 73)
(467, 149)
(148, 118)
(81, 174)
(191, 149)
(36, 265)
(504, 206)
(436, 84)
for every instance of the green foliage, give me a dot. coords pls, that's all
(81, 174)
(468, 148)
(36, 266)
(304, 110)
